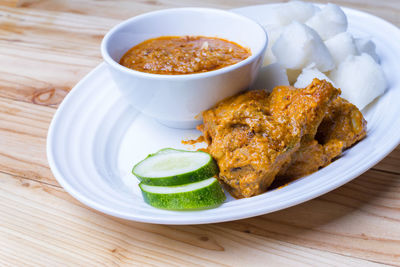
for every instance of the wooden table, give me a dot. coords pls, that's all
(46, 47)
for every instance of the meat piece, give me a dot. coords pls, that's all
(343, 122)
(342, 126)
(253, 134)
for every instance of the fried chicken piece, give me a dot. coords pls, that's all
(253, 134)
(342, 126)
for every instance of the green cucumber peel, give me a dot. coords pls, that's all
(204, 194)
(162, 173)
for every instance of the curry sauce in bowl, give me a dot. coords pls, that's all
(183, 55)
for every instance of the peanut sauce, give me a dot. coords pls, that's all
(183, 55)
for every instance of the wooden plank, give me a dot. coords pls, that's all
(10, 3)
(122, 9)
(391, 163)
(44, 54)
(40, 226)
(23, 131)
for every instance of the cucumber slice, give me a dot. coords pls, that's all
(199, 195)
(175, 167)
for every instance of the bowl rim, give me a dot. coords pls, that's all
(110, 61)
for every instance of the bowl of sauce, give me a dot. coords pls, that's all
(173, 64)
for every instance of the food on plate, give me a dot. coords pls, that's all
(309, 39)
(199, 195)
(341, 46)
(285, 13)
(364, 45)
(274, 32)
(360, 78)
(328, 22)
(299, 46)
(175, 167)
(183, 55)
(178, 179)
(342, 126)
(308, 75)
(259, 136)
(252, 135)
(280, 15)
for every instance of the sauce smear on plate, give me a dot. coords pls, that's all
(183, 55)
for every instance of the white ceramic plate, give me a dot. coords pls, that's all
(95, 138)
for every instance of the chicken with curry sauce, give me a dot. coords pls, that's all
(342, 126)
(257, 136)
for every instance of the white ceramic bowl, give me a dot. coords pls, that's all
(177, 100)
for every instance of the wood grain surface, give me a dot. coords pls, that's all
(46, 47)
